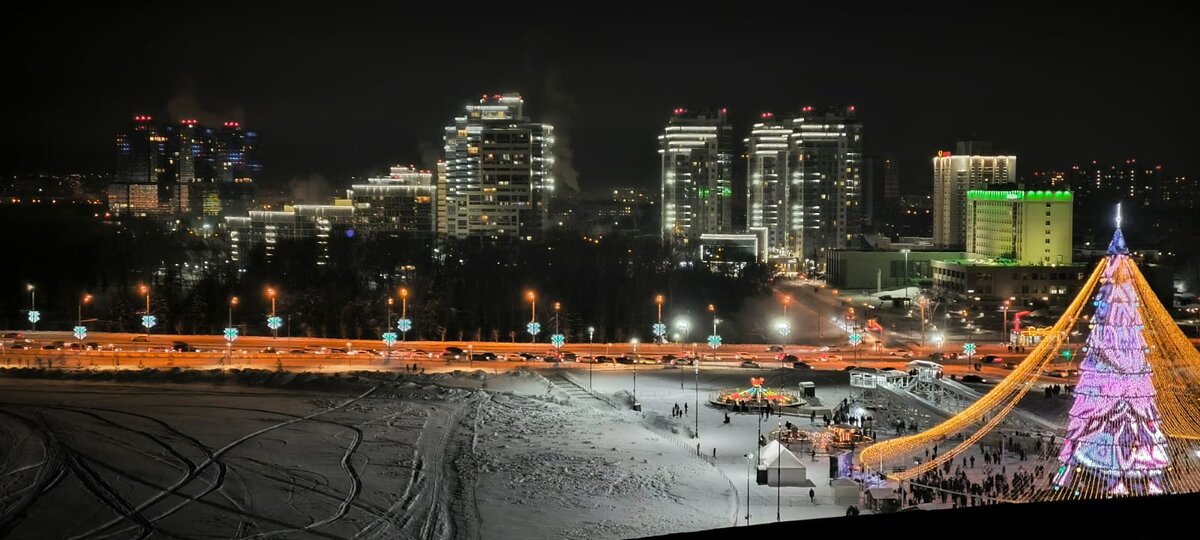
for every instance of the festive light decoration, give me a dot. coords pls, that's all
(757, 395)
(80, 332)
(1134, 428)
(1114, 443)
(231, 334)
(389, 338)
(274, 322)
(856, 338)
(714, 341)
(35, 316)
(969, 349)
(404, 325)
(533, 328)
(558, 340)
(783, 327)
(149, 321)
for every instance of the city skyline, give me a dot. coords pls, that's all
(329, 116)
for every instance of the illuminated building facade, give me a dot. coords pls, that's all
(1029, 227)
(183, 169)
(402, 202)
(826, 149)
(498, 179)
(696, 151)
(770, 186)
(956, 174)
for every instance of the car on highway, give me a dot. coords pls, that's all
(991, 359)
(684, 361)
(298, 351)
(569, 357)
(937, 357)
(902, 354)
(14, 335)
(774, 348)
(18, 345)
(269, 350)
(139, 339)
(180, 346)
(973, 379)
(604, 359)
(668, 359)
(745, 356)
(801, 365)
(1012, 364)
(478, 357)
(712, 358)
(749, 364)
(50, 347)
(626, 360)
(788, 358)
(1062, 373)
(829, 358)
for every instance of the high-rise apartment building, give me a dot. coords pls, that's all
(696, 151)
(770, 186)
(498, 179)
(183, 169)
(956, 174)
(827, 161)
(402, 202)
(1027, 227)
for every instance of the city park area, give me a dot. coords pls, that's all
(878, 433)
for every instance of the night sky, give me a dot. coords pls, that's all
(339, 94)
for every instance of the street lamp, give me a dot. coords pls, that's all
(273, 321)
(405, 323)
(634, 341)
(591, 335)
(533, 325)
(905, 252)
(230, 331)
(388, 329)
(749, 459)
(696, 406)
(683, 325)
(33, 313)
(1004, 327)
(86, 299)
(146, 321)
(712, 308)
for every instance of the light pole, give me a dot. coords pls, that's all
(749, 457)
(390, 302)
(85, 299)
(660, 330)
(712, 308)
(275, 331)
(905, 252)
(591, 341)
(145, 290)
(33, 314)
(1004, 327)
(529, 295)
(696, 408)
(557, 306)
(923, 303)
(403, 313)
(683, 326)
(634, 341)
(778, 482)
(230, 332)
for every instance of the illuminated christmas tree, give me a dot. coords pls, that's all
(1114, 444)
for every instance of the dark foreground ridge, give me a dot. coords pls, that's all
(1134, 517)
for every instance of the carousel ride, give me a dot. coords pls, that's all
(756, 397)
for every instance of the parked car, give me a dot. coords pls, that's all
(14, 335)
(479, 357)
(604, 360)
(937, 357)
(974, 379)
(668, 359)
(801, 365)
(18, 345)
(625, 360)
(749, 364)
(991, 359)
(50, 347)
(684, 361)
(298, 351)
(568, 356)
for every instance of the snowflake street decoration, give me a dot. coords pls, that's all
(714, 341)
(389, 338)
(404, 325)
(784, 328)
(274, 323)
(659, 329)
(969, 348)
(149, 321)
(856, 338)
(533, 328)
(35, 316)
(80, 332)
(231, 334)
(558, 340)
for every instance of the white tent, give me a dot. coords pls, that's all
(783, 468)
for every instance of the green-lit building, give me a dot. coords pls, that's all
(1028, 227)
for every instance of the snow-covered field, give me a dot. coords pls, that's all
(364, 456)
